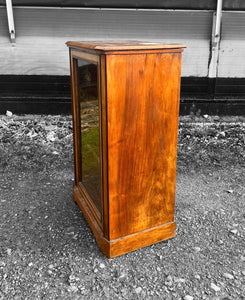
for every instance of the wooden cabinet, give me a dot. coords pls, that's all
(125, 99)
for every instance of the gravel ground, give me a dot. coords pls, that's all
(47, 250)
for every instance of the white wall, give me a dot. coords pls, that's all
(41, 34)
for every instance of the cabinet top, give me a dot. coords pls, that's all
(122, 45)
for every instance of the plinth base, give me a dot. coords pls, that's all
(127, 243)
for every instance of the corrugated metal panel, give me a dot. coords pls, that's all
(166, 4)
(233, 26)
(111, 23)
(42, 33)
(3, 26)
(232, 46)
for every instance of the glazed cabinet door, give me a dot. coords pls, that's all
(87, 135)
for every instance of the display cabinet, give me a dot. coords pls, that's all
(125, 102)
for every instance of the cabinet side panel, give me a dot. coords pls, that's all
(142, 107)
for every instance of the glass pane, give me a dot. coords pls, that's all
(89, 113)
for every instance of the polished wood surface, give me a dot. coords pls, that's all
(123, 45)
(125, 244)
(139, 104)
(143, 104)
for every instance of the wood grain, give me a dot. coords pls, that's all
(125, 244)
(123, 45)
(139, 105)
(143, 105)
(141, 239)
(104, 146)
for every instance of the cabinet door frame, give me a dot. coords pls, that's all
(76, 55)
